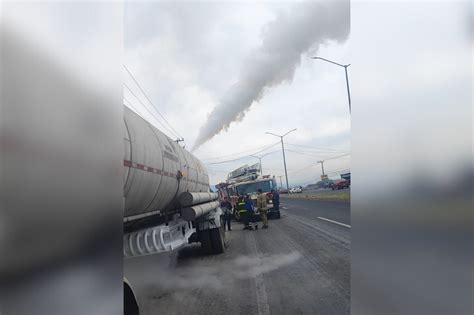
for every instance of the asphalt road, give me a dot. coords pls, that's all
(333, 210)
(300, 265)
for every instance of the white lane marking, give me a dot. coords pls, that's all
(262, 299)
(284, 208)
(315, 227)
(335, 222)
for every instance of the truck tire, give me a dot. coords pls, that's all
(205, 239)
(217, 240)
(130, 305)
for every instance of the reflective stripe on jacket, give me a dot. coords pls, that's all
(241, 207)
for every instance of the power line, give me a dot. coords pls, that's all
(233, 160)
(234, 154)
(315, 148)
(130, 105)
(151, 113)
(299, 152)
(313, 153)
(318, 155)
(153, 105)
(337, 157)
(243, 157)
(252, 155)
(228, 161)
(339, 170)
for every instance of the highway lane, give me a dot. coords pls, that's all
(334, 210)
(300, 265)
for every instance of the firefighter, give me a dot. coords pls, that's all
(240, 209)
(227, 209)
(250, 213)
(262, 207)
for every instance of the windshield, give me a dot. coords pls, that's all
(251, 188)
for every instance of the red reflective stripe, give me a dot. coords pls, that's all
(131, 164)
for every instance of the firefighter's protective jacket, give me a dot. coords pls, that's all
(262, 202)
(241, 207)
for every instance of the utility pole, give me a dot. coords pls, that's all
(260, 163)
(283, 150)
(322, 165)
(260, 159)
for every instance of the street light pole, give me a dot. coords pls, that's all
(348, 91)
(347, 78)
(283, 150)
(284, 162)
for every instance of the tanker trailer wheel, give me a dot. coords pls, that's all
(130, 304)
(217, 240)
(205, 239)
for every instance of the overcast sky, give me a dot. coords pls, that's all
(410, 70)
(186, 57)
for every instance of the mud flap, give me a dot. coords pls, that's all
(205, 239)
(211, 232)
(217, 240)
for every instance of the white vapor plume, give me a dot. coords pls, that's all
(217, 276)
(284, 40)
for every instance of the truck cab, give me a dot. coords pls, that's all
(246, 180)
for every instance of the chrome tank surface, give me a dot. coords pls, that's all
(157, 169)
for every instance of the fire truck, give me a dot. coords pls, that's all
(246, 180)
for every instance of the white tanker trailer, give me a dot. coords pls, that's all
(167, 200)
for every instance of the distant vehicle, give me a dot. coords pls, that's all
(328, 185)
(296, 190)
(346, 176)
(340, 184)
